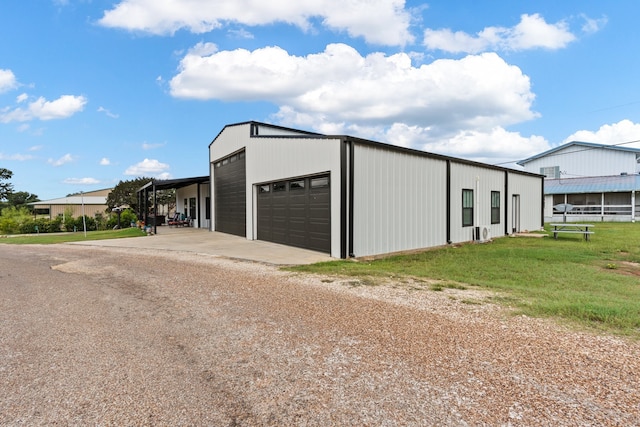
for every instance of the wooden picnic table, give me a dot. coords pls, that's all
(572, 228)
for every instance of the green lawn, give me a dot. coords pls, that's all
(50, 238)
(593, 284)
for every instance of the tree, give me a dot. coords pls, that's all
(126, 193)
(21, 198)
(5, 187)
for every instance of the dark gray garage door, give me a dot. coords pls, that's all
(296, 212)
(230, 194)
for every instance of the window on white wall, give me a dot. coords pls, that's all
(550, 172)
(495, 207)
(467, 208)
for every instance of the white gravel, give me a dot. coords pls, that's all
(102, 336)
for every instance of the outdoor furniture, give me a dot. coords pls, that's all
(571, 228)
(179, 220)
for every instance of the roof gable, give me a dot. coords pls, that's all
(585, 145)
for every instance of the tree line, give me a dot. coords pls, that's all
(17, 216)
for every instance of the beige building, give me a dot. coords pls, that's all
(89, 204)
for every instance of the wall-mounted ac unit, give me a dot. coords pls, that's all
(483, 233)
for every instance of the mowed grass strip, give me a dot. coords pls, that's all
(593, 284)
(52, 238)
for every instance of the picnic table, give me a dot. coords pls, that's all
(572, 228)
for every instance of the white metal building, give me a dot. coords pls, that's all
(352, 197)
(600, 182)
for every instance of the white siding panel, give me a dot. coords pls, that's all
(399, 201)
(482, 181)
(583, 161)
(530, 190)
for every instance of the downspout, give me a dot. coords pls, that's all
(506, 203)
(351, 198)
(448, 202)
(343, 199)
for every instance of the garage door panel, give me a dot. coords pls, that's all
(230, 195)
(296, 214)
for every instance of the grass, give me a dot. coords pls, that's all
(593, 284)
(51, 238)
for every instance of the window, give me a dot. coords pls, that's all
(297, 184)
(207, 209)
(320, 182)
(550, 172)
(265, 188)
(280, 186)
(495, 207)
(467, 208)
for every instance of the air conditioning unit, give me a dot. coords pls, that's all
(483, 233)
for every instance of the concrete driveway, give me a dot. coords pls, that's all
(185, 239)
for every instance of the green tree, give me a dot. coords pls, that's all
(21, 198)
(5, 187)
(126, 193)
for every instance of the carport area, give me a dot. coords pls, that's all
(202, 241)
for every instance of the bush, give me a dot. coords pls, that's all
(76, 224)
(127, 217)
(12, 219)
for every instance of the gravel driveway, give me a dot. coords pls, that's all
(104, 336)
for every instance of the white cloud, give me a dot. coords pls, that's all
(150, 146)
(107, 112)
(530, 33)
(591, 26)
(615, 133)
(61, 108)
(67, 158)
(149, 167)
(105, 161)
(495, 146)
(339, 86)
(7, 80)
(384, 22)
(81, 181)
(16, 157)
(22, 97)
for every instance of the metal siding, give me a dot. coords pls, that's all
(482, 181)
(399, 201)
(583, 161)
(530, 190)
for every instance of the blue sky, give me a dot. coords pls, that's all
(93, 92)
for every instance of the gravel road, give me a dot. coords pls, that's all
(102, 336)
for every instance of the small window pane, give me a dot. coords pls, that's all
(467, 208)
(280, 186)
(296, 185)
(265, 188)
(225, 161)
(495, 207)
(320, 182)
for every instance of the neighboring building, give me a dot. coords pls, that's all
(91, 203)
(348, 197)
(601, 182)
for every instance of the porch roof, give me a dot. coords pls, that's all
(592, 184)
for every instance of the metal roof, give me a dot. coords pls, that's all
(166, 184)
(592, 184)
(73, 200)
(588, 145)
